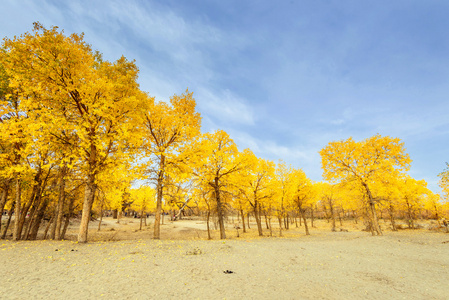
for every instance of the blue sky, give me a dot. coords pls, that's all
(283, 78)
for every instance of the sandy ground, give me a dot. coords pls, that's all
(124, 263)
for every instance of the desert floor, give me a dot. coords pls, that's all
(122, 262)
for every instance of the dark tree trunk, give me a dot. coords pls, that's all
(208, 225)
(220, 211)
(37, 221)
(61, 199)
(243, 220)
(257, 216)
(16, 234)
(160, 190)
(303, 215)
(5, 230)
(3, 200)
(69, 215)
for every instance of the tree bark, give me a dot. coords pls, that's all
(61, 199)
(372, 206)
(160, 189)
(69, 215)
(331, 207)
(303, 215)
(11, 211)
(243, 220)
(3, 201)
(37, 220)
(89, 197)
(208, 225)
(219, 209)
(16, 234)
(257, 216)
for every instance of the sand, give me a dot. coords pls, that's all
(325, 265)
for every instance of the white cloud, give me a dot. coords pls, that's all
(225, 106)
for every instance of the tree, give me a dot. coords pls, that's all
(167, 128)
(364, 163)
(65, 83)
(217, 166)
(256, 181)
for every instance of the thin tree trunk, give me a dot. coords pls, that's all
(53, 225)
(61, 199)
(303, 215)
(69, 215)
(160, 189)
(5, 230)
(48, 226)
(141, 219)
(16, 234)
(208, 226)
(3, 201)
(311, 211)
(101, 216)
(219, 209)
(37, 221)
(247, 217)
(280, 225)
(331, 207)
(266, 221)
(243, 220)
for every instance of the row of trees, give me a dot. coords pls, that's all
(77, 131)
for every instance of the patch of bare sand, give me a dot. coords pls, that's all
(325, 265)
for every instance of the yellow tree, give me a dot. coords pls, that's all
(256, 183)
(167, 129)
(218, 167)
(66, 83)
(364, 163)
(143, 201)
(281, 184)
(412, 195)
(303, 192)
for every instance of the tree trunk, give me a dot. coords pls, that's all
(391, 212)
(208, 226)
(101, 216)
(331, 207)
(219, 209)
(61, 199)
(37, 221)
(271, 229)
(5, 230)
(266, 221)
(16, 234)
(257, 216)
(53, 225)
(243, 220)
(280, 225)
(3, 201)
(160, 189)
(303, 215)
(48, 226)
(372, 206)
(89, 197)
(411, 223)
(141, 219)
(247, 218)
(69, 215)
(311, 212)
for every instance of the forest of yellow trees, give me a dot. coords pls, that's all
(78, 137)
